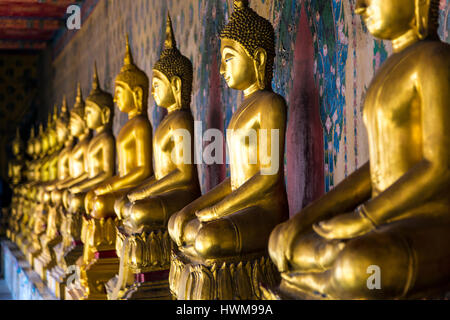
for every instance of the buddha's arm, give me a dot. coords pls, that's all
(177, 222)
(179, 177)
(346, 196)
(430, 176)
(107, 151)
(141, 171)
(51, 185)
(172, 180)
(73, 181)
(62, 184)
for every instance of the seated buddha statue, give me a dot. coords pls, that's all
(133, 147)
(37, 221)
(56, 216)
(16, 171)
(222, 236)
(134, 155)
(78, 164)
(143, 243)
(101, 161)
(51, 236)
(383, 232)
(20, 220)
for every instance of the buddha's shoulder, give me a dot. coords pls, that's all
(267, 98)
(434, 52)
(140, 121)
(181, 118)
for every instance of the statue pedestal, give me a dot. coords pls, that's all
(220, 279)
(66, 257)
(56, 281)
(147, 286)
(47, 259)
(94, 276)
(287, 291)
(144, 266)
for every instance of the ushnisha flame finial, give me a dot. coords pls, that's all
(64, 105)
(128, 59)
(170, 42)
(95, 81)
(79, 97)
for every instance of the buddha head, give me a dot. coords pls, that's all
(43, 137)
(17, 145)
(62, 123)
(51, 127)
(77, 122)
(30, 144)
(247, 49)
(172, 74)
(99, 105)
(131, 92)
(391, 19)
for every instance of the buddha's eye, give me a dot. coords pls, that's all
(228, 59)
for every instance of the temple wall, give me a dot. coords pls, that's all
(325, 61)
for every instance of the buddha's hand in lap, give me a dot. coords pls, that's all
(103, 189)
(176, 225)
(132, 197)
(207, 214)
(280, 244)
(74, 190)
(344, 226)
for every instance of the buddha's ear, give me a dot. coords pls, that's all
(106, 114)
(176, 84)
(260, 61)
(422, 10)
(138, 97)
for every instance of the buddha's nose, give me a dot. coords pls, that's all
(222, 69)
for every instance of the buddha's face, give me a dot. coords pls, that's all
(52, 138)
(93, 115)
(16, 148)
(76, 125)
(237, 67)
(61, 132)
(162, 90)
(45, 143)
(30, 148)
(123, 97)
(386, 19)
(37, 147)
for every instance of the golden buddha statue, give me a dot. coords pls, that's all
(20, 219)
(100, 262)
(101, 161)
(55, 275)
(47, 213)
(222, 236)
(383, 232)
(37, 211)
(15, 166)
(16, 172)
(52, 237)
(143, 243)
